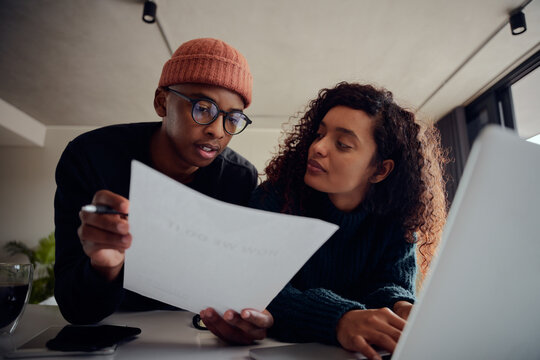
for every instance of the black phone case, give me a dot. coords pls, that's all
(91, 338)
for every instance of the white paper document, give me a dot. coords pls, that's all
(194, 252)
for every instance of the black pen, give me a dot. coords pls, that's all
(101, 209)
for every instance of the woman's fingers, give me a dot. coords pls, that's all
(360, 344)
(261, 319)
(358, 330)
(242, 328)
(403, 309)
(222, 329)
(252, 325)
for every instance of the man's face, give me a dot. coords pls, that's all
(196, 145)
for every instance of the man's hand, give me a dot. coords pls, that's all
(243, 328)
(105, 237)
(357, 330)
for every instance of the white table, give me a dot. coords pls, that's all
(165, 335)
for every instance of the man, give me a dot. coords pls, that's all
(202, 93)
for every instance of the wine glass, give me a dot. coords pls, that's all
(15, 288)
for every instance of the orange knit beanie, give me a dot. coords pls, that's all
(212, 62)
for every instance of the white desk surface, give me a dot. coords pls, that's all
(165, 335)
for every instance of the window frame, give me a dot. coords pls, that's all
(497, 101)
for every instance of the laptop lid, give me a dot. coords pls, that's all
(301, 351)
(482, 297)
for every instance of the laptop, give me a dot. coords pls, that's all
(481, 299)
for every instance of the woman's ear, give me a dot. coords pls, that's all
(160, 102)
(383, 170)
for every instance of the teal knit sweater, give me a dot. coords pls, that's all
(366, 264)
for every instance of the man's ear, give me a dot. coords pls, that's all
(383, 170)
(160, 102)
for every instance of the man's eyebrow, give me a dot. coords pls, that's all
(201, 96)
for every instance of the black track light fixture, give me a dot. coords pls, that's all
(149, 12)
(517, 22)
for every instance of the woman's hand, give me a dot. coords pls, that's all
(105, 237)
(403, 309)
(243, 328)
(357, 330)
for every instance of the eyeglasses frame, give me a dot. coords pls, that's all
(225, 113)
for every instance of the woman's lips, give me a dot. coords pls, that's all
(314, 167)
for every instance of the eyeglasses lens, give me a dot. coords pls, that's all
(204, 112)
(235, 122)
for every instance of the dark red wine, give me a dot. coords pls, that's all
(12, 298)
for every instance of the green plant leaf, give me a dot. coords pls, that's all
(42, 257)
(45, 249)
(16, 247)
(42, 289)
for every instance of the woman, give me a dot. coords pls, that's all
(360, 161)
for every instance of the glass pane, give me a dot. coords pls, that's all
(526, 105)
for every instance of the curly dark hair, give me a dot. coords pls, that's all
(414, 192)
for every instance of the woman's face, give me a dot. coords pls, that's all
(340, 158)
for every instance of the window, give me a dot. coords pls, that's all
(512, 103)
(525, 94)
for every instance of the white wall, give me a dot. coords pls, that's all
(257, 145)
(27, 182)
(27, 187)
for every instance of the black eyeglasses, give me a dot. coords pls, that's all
(205, 112)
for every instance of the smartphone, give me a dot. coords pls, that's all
(72, 340)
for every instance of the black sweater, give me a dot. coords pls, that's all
(101, 159)
(366, 264)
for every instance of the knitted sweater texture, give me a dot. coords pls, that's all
(366, 264)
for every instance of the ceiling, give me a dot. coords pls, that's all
(93, 63)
